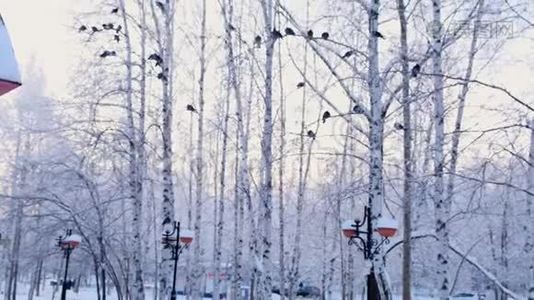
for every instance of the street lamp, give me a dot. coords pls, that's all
(176, 240)
(386, 227)
(67, 243)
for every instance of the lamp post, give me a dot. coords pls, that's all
(386, 227)
(176, 241)
(67, 243)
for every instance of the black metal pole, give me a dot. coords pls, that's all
(176, 253)
(372, 285)
(64, 286)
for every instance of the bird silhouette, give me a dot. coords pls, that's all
(155, 57)
(357, 109)
(398, 126)
(117, 38)
(415, 70)
(325, 35)
(190, 108)
(310, 34)
(107, 53)
(231, 27)
(95, 29)
(161, 76)
(311, 134)
(257, 41)
(300, 84)
(115, 10)
(289, 31)
(160, 5)
(378, 35)
(118, 29)
(348, 54)
(276, 34)
(326, 115)
(82, 28)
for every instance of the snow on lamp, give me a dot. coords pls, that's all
(186, 236)
(387, 227)
(71, 241)
(9, 71)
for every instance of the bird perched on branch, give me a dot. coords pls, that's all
(115, 10)
(379, 35)
(276, 34)
(300, 84)
(416, 70)
(95, 29)
(348, 54)
(161, 76)
(191, 108)
(257, 41)
(118, 29)
(107, 53)
(289, 31)
(357, 109)
(117, 38)
(325, 35)
(310, 34)
(160, 5)
(398, 126)
(155, 57)
(326, 115)
(311, 134)
(82, 28)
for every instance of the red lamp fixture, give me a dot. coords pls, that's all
(70, 242)
(349, 229)
(387, 227)
(186, 236)
(9, 71)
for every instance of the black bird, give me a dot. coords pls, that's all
(105, 26)
(289, 31)
(117, 38)
(325, 35)
(82, 28)
(190, 108)
(95, 29)
(162, 77)
(160, 5)
(311, 134)
(347, 54)
(357, 109)
(398, 126)
(378, 35)
(300, 84)
(276, 34)
(110, 25)
(118, 29)
(115, 10)
(310, 34)
(415, 70)
(155, 57)
(107, 53)
(257, 41)
(326, 115)
(231, 27)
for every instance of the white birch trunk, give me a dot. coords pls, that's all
(198, 271)
(266, 182)
(441, 203)
(529, 241)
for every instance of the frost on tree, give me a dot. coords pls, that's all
(9, 71)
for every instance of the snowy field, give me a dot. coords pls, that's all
(90, 294)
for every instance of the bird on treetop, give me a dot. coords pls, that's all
(415, 70)
(310, 34)
(326, 115)
(311, 134)
(289, 31)
(325, 35)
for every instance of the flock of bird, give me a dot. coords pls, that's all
(276, 34)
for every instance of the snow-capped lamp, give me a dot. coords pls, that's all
(186, 236)
(387, 227)
(9, 70)
(70, 242)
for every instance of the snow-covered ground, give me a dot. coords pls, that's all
(90, 294)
